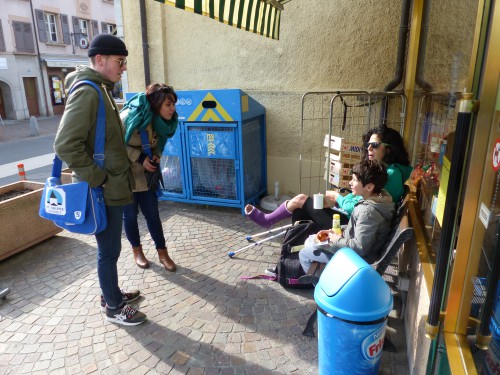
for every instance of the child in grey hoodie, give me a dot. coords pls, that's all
(370, 221)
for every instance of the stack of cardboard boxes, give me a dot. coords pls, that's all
(341, 155)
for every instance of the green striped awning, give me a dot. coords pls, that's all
(258, 16)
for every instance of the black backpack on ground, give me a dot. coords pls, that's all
(288, 269)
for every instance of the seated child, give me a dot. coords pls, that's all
(370, 220)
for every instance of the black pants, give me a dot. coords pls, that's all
(321, 217)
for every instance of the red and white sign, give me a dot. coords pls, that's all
(496, 155)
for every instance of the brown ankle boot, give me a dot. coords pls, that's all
(139, 257)
(166, 261)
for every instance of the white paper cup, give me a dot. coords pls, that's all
(318, 201)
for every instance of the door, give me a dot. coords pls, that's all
(473, 307)
(2, 105)
(31, 96)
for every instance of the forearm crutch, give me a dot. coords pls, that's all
(251, 237)
(233, 253)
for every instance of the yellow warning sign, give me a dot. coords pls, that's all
(218, 113)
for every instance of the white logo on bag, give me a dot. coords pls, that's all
(55, 202)
(78, 215)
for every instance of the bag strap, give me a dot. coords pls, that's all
(145, 144)
(100, 131)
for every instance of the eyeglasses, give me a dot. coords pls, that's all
(376, 145)
(121, 62)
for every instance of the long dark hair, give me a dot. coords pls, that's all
(395, 148)
(156, 94)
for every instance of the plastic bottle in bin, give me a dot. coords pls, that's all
(336, 225)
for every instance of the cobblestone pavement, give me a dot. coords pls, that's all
(203, 319)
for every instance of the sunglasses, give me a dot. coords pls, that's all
(165, 89)
(121, 62)
(376, 145)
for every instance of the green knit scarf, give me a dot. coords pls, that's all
(140, 116)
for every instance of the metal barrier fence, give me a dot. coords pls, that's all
(345, 114)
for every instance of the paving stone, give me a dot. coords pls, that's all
(201, 319)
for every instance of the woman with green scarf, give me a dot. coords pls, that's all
(153, 112)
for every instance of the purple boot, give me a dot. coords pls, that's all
(267, 220)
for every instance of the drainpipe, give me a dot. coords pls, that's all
(35, 29)
(400, 60)
(403, 35)
(145, 46)
(464, 108)
(424, 31)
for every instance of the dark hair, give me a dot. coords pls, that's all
(395, 152)
(371, 171)
(157, 93)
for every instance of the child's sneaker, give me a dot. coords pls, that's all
(125, 315)
(127, 297)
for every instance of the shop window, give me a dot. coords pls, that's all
(117, 91)
(56, 90)
(432, 147)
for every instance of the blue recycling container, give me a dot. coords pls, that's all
(353, 304)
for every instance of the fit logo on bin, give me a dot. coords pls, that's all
(372, 345)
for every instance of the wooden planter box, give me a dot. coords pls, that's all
(20, 225)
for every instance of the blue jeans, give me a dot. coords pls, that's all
(109, 245)
(306, 257)
(148, 202)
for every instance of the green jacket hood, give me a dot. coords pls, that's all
(85, 72)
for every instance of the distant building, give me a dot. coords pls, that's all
(41, 41)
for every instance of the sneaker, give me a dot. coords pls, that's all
(127, 298)
(125, 315)
(270, 272)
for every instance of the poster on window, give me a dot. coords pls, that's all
(56, 90)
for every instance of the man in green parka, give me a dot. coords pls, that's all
(74, 144)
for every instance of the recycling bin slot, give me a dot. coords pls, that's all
(209, 104)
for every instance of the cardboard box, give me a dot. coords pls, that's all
(343, 146)
(337, 180)
(342, 168)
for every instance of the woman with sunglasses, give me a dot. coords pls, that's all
(151, 113)
(382, 144)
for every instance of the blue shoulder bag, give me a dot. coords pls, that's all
(77, 207)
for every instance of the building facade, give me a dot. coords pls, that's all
(40, 43)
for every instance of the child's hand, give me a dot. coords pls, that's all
(333, 236)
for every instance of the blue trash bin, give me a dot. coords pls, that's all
(353, 304)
